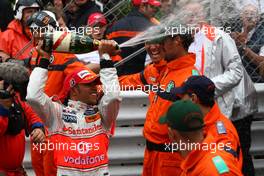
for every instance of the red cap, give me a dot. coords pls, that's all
(78, 77)
(96, 18)
(155, 3)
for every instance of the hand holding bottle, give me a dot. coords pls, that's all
(108, 47)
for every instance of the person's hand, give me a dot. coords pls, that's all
(3, 56)
(240, 38)
(37, 135)
(41, 52)
(6, 103)
(108, 47)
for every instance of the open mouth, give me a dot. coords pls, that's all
(155, 53)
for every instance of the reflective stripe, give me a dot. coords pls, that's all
(63, 66)
(232, 152)
(117, 34)
(143, 79)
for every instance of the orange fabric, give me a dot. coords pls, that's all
(116, 58)
(55, 80)
(161, 163)
(231, 135)
(117, 34)
(209, 31)
(12, 147)
(151, 73)
(199, 162)
(13, 40)
(177, 71)
(43, 163)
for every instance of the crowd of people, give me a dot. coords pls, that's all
(200, 85)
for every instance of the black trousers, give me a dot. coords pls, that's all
(244, 132)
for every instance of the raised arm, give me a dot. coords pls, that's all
(110, 102)
(48, 110)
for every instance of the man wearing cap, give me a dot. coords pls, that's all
(86, 120)
(201, 91)
(201, 154)
(98, 23)
(17, 35)
(62, 65)
(138, 20)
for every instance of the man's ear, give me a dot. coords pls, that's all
(178, 40)
(194, 98)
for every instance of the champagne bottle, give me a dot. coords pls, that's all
(68, 42)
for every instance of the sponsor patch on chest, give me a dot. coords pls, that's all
(69, 116)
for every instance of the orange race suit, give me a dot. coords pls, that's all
(209, 161)
(12, 143)
(78, 125)
(14, 39)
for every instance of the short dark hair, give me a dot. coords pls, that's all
(187, 40)
(205, 101)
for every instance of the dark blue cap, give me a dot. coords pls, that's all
(202, 86)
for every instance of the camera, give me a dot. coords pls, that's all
(16, 75)
(3, 93)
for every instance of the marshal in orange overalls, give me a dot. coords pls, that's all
(160, 163)
(210, 162)
(222, 129)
